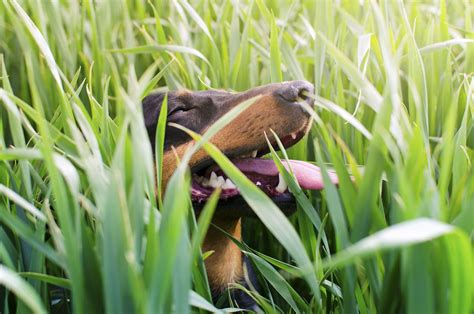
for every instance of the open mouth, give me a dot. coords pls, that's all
(262, 172)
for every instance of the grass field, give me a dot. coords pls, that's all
(79, 216)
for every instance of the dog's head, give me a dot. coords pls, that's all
(242, 140)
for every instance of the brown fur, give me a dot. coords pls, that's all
(274, 111)
(245, 132)
(224, 265)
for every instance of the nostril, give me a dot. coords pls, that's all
(305, 95)
(296, 91)
(305, 90)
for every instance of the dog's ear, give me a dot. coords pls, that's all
(151, 112)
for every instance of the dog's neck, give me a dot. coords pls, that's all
(224, 265)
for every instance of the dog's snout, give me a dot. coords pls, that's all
(294, 91)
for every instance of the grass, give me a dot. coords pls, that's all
(80, 218)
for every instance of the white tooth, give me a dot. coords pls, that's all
(293, 135)
(205, 182)
(228, 185)
(220, 182)
(282, 186)
(254, 153)
(258, 183)
(213, 180)
(225, 186)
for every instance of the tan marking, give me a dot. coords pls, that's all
(224, 266)
(245, 132)
(183, 92)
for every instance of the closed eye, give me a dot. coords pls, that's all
(180, 109)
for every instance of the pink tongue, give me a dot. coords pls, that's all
(308, 175)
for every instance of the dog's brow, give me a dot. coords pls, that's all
(183, 92)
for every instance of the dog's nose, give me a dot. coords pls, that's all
(296, 90)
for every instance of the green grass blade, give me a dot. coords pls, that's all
(22, 289)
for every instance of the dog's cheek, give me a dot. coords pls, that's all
(248, 130)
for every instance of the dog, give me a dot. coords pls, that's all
(243, 141)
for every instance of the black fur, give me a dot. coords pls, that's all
(195, 111)
(199, 110)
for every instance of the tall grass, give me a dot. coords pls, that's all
(82, 228)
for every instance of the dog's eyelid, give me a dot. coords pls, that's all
(180, 108)
(187, 108)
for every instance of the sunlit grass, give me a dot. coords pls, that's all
(80, 216)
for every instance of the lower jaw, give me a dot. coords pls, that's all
(200, 194)
(232, 204)
(236, 207)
